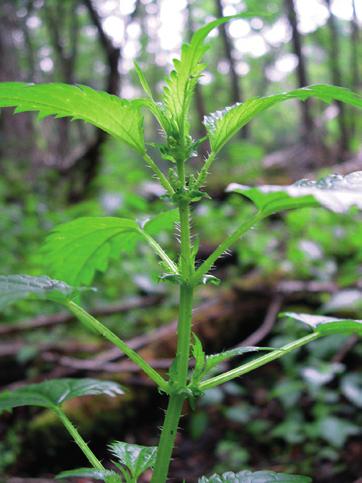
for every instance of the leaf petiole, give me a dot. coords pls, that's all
(90, 322)
(254, 364)
(72, 430)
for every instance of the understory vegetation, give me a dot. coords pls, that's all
(198, 264)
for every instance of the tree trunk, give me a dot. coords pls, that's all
(336, 77)
(355, 73)
(302, 77)
(199, 98)
(236, 94)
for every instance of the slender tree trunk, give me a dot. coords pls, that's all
(13, 128)
(336, 76)
(302, 77)
(355, 73)
(199, 98)
(236, 93)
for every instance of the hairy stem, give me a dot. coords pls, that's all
(226, 244)
(163, 180)
(260, 361)
(92, 323)
(72, 430)
(178, 380)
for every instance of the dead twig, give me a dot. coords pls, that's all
(46, 321)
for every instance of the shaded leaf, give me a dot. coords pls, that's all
(351, 387)
(335, 192)
(254, 477)
(120, 118)
(104, 475)
(53, 393)
(135, 457)
(223, 125)
(328, 325)
(74, 251)
(18, 287)
(180, 84)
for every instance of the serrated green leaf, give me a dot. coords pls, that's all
(104, 475)
(180, 84)
(55, 392)
(120, 118)
(213, 360)
(223, 125)
(74, 251)
(18, 287)
(255, 477)
(328, 325)
(134, 457)
(335, 192)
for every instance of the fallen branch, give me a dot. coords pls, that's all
(45, 321)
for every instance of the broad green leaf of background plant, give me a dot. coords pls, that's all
(137, 459)
(222, 125)
(255, 477)
(18, 287)
(180, 85)
(50, 394)
(120, 118)
(103, 475)
(335, 192)
(328, 325)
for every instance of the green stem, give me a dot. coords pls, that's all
(167, 439)
(163, 180)
(72, 430)
(160, 252)
(90, 322)
(260, 361)
(226, 244)
(178, 382)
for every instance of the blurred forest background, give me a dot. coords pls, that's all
(301, 414)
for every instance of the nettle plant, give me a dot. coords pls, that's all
(74, 251)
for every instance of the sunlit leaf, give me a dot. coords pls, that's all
(223, 125)
(254, 477)
(335, 192)
(104, 475)
(328, 325)
(134, 457)
(120, 118)
(55, 392)
(18, 287)
(187, 70)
